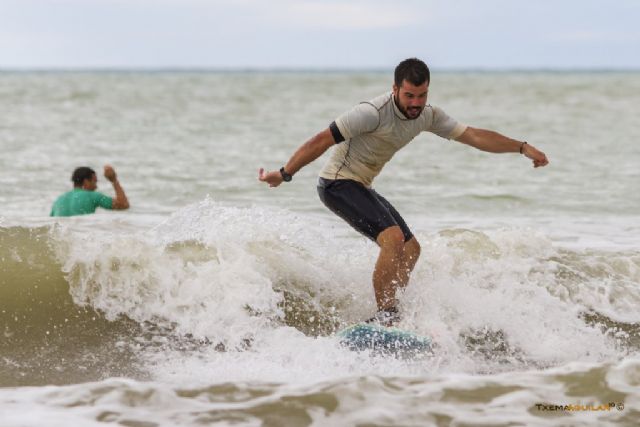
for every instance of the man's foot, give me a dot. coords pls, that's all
(386, 317)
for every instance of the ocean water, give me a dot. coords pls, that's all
(215, 300)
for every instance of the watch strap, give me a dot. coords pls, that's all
(285, 176)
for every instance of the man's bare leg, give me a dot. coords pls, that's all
(386, 273)
(410, 255)
(395, 263)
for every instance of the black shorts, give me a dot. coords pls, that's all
(363, 208)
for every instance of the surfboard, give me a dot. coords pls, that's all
(376, 338)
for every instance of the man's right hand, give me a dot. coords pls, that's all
(305, 154)
(120, 201)
(273, 178)
(110, 173)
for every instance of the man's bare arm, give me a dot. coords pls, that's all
(120, 201)
(493, 142)
(305, 154)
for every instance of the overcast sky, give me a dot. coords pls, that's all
(319, 33)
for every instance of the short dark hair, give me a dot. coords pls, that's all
(80, 174)
(412, 70)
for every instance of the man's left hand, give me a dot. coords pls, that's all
(538, 157)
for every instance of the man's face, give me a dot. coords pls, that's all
(90, 184)
(411, 99)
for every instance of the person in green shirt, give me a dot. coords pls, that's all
(84, 199)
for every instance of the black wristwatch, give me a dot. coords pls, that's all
(285, 176)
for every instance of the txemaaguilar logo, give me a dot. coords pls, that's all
(577, 407)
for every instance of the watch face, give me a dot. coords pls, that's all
(285, 176)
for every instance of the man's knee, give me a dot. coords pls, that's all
(391, 239)
(412, 248)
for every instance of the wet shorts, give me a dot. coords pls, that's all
(363, 208)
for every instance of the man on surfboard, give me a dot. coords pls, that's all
(365, 139)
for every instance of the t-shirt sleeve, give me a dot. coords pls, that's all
(362, 118)
(103, 201)
(445, 126)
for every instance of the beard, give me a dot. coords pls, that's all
(410, 113)
(413, 112)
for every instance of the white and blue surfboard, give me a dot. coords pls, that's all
(378, 339)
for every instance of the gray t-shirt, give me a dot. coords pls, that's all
(373, 131)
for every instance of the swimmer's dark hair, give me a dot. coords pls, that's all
(80, 174)
(412, 70)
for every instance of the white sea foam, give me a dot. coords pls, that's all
(518, 397)
(490, 300)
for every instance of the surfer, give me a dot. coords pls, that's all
(365, 138)
(83, 199)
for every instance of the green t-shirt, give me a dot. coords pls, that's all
(80, 202)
